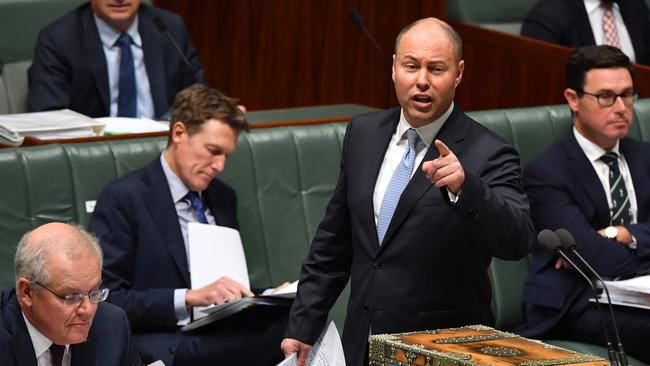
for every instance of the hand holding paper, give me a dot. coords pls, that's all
(221, 291)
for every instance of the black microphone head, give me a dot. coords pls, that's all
(566, 239)
(160, 24)
(549, 240)
(356, 18)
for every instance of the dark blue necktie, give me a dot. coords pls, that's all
(56, 354)
(197, 205)
(126, 98)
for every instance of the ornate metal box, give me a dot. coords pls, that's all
(471, 345)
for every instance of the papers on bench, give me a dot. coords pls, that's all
(634, 292)
(48, 125)
(327, 351)
(122, 125)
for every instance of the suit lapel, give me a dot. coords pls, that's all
(153, 60)
(163, 212)
(587, 178)
(637, 164)
(20, 341)
(452, 133)
(582, 23)
(93, 49)
(377, 142)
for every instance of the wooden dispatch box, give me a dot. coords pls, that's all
(470, 345)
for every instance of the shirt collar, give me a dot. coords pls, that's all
(592, 5)
(427, 132)
(593, 151)
(40, 342)
(177, 188)
(109, 35)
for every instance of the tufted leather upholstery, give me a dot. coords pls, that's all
(283, 176)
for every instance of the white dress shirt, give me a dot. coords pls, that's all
(108, 35)
(42, 346)
(397, 148)
(595, 13)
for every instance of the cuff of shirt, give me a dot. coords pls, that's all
(633, 244)
(453, 198)
(182, 315)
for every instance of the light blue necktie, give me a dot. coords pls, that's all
(197, 205)
(398, 182)
(126, 97)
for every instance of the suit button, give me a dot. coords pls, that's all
(378, 265)
(365, 308)
(172, 350)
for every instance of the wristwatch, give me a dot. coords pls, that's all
(611, 232)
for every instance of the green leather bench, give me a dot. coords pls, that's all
(283, 176)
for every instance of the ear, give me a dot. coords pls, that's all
(572, 98)
(24, 291)
(393, 68)
(459, 72)
(178, 131)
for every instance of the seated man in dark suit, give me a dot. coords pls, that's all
(596, 183)
(142, 221)
(110, 58)
(576, 23)
(55, 315)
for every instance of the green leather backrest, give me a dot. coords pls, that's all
(283, 176)
(501, 15)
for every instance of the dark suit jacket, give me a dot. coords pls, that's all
(430, 271)
(69, 68)
(565, 192)
(144, 254)
(565, 22)
(109, 341)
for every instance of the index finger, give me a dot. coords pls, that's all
(442, 148)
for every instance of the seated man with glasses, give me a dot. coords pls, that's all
(595, 182)
(56, 315)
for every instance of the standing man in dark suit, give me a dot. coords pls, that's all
(56, 315)
(417, 259)
(142, 221)
(595, 183)
(578, 23)
(108, 58)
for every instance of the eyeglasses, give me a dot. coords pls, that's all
(607, 99)
(94, 296)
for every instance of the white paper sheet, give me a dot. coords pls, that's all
(327, 350)
(121, 125)
(215, 251)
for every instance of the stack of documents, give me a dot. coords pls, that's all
(122, 125)
(50, 125)
(634, 292)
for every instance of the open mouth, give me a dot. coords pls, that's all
(422, 100)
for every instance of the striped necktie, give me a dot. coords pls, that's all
(620, 212)
(397, 183)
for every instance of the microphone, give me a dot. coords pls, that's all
(551, 241)
(357, 19)
(162, 28)
(569, 242)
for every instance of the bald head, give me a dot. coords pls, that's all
(436, 29)
(37, 246)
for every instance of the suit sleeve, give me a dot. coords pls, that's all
(544, 23)
(554, 207)
(326, 270)
(114, 224)
(49, 75)
(494, 199)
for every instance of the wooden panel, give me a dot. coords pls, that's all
(506, 71)
(290, 53)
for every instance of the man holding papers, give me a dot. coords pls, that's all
(142, 222)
